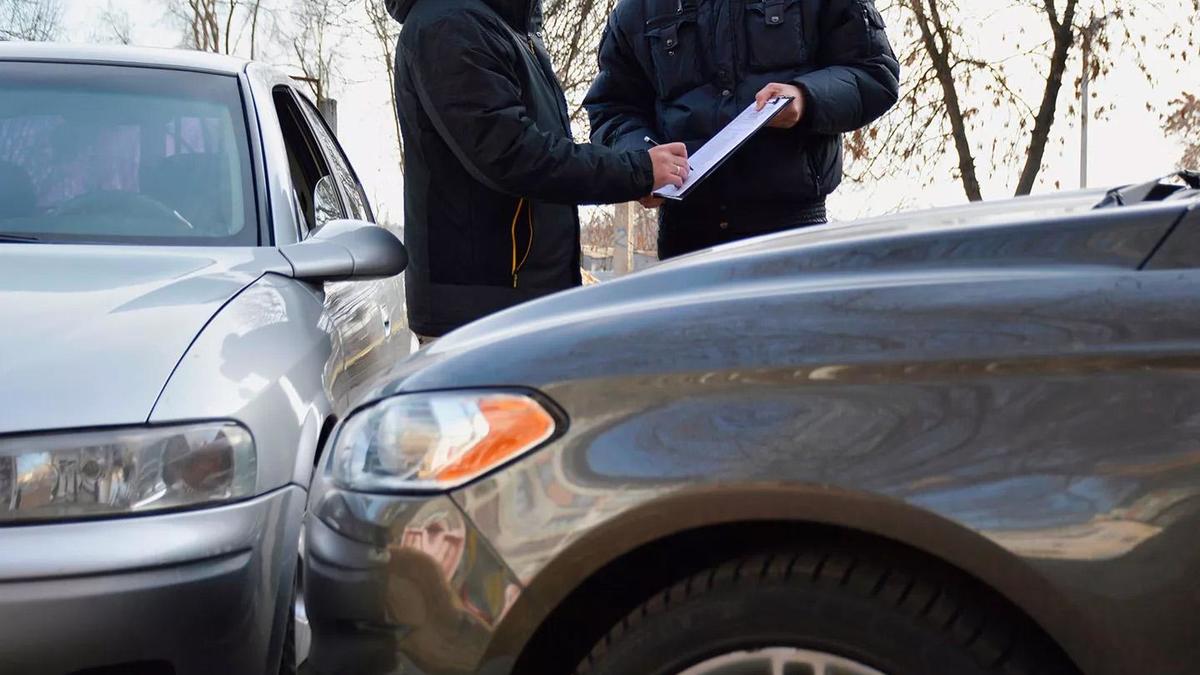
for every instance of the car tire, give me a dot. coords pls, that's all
(865, 608)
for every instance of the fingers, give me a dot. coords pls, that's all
(677, 149)
(678, 176)
(768, 92)
(670, 164)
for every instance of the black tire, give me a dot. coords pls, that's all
(900, 619)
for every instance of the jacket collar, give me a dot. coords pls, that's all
(523, 15)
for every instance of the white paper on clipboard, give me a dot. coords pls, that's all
(714, 153)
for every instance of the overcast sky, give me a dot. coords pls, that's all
(1127, 146)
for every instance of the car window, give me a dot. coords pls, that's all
(317, 202)
(119, 154)
(356, 198)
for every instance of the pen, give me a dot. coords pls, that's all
(655, 143)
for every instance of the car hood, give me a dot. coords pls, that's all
(1055, 232)
(89, 335)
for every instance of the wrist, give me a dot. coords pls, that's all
(806, 104)
(643, 172)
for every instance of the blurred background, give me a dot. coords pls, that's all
(999, 98)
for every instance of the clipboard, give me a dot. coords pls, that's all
(721, 147)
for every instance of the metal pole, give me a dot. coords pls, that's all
(328, 108)
(1089, 33)
(1083, 125)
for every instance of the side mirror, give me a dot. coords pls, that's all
(347, 250)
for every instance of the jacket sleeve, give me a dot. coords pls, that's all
(621, 101)
(465, 79)
(859, 78)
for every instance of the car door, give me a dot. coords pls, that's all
(386, 295)
(362, 312)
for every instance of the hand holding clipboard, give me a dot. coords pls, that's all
(722, 146)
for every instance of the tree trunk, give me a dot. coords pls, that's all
(929, 23)
(1064, 38)
(254, 28)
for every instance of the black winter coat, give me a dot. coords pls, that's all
(492, 175)
(680, 70)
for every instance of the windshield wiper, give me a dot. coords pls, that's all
(7, 238)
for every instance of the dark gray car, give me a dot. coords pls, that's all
(954, 442)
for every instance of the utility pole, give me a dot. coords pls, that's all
(329, 110)
(1089, 34)
(622, 250)
(326, 106)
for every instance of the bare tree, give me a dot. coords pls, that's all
(953, 97)
(255, 10)
(386, 32)
(114, 25)
(1183, 122)
(202, 24)
(572, 33)
(219, 26)
(317, 27)
(33, 20)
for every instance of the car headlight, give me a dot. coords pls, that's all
(437, 440)
(124, 471)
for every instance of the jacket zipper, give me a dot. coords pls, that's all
(816, 174)
(518, 265)
(546, 73)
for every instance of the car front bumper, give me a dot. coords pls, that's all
(195, 592)
(397, 584)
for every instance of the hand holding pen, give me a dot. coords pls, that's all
(670, 164)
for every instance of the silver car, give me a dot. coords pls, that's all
(191, 289)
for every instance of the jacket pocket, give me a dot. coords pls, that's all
(775, 35)
(675, 53)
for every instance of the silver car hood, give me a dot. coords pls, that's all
(89, 335)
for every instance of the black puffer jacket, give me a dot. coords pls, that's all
(680, 70)
(492, 174)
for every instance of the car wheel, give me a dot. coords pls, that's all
(822, 612)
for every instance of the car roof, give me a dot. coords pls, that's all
(174, 59)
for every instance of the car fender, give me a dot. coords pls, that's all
(710, 506)
(266, 360)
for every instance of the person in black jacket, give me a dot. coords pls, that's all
(492, 174)
(682, 69)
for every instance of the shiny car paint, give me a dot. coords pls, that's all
(77, 316)
(1007, 388)
(97, 336)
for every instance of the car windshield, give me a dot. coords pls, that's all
(116, 154)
